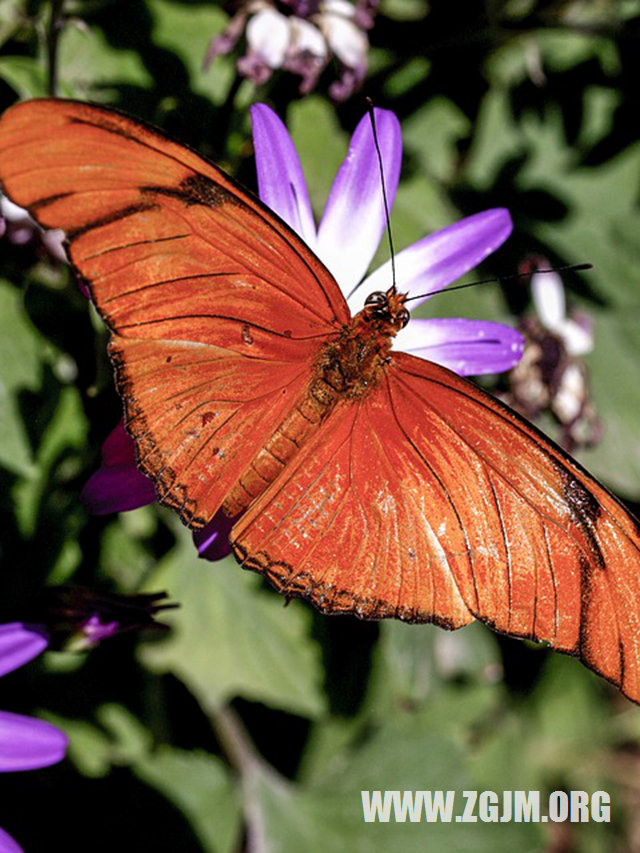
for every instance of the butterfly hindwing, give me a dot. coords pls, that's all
(553, 555)
(430, 501)
(353, 525)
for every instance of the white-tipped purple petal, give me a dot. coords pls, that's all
(26, 743)
(468, 347)
(8, 844)
(19, 644)
(439, 259)
(281, 183)
(354, 219)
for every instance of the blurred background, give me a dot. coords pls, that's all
(250, 725)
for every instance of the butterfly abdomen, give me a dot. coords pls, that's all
(292, 434)
(346, 369)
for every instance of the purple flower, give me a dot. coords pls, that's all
(301, 36)
(25, 743)
(353, 223)
(346, 240)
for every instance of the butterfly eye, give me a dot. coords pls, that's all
(376, 298)
(403, 318)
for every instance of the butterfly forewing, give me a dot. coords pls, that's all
(232, 305)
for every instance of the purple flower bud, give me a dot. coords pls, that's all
(79, 619)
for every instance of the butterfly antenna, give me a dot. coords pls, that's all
(384, 191)
(500, 278)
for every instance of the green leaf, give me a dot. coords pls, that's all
(186, 30)
(25, 75)
(431, 133)
(89, 65)
(410, 752)
(570, 715)
(201, 787)
(124, 554)
(412, 663)
(411, 74)
(321, 145)
(89, 747)
(550, 51)
(404, 10)
(496, 140)
(11, 15)
(232, 637)
(67, 429)
(21, 352)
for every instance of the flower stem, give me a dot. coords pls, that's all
(242, 755)
(53, 35)
(235, 741)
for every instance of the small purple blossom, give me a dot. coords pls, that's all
(346, 240)
(551, 374)
(25, 743)
(79, 619)
(17, 226)
(301, 36)
(95, 630)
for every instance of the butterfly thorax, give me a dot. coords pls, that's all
(348, 368)
(351, 365)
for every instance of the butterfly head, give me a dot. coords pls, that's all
(388, 309)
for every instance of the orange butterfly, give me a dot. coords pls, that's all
(370, 481)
